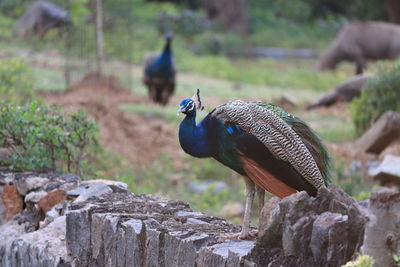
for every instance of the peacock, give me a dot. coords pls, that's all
(159, 74)
(273, 150)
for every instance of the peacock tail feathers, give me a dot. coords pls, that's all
(269, 124)
(308, 136)
(314, 145)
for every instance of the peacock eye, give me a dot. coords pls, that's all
(190, 106)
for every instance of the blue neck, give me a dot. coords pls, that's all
(194, 139)
(166, 56)
(162, 66)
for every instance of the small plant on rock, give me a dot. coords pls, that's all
(361, 261)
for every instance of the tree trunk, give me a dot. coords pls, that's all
(99, 37)
(232, 14)
(393, 10)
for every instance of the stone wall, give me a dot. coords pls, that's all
(65, 222)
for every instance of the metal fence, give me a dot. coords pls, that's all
(64, 55)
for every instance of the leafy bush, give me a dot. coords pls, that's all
(16, 82)
(45, 139)
(396, 259)
(380, 94)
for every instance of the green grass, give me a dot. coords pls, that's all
(330, 127)
(168, 113)
(49, 79)
(163, 179)
(352, 183)
(266, 72)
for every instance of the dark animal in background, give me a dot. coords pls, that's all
(159, 74)
(361, 41)
(273, 150)
(39, 18)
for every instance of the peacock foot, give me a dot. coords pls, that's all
(250, 235)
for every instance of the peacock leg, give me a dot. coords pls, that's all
(250, 190)
(261, 198)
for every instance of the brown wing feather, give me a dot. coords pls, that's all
(265, 179)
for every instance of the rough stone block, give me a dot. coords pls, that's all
(109, 238)
(382, 233)
(383, 132)
(34, 197)
(12, 201)
(88, 190)
(45, 247)
(329, 239)
(78, 234)
(304, 231)
(152, 248)
(133, 243)
(229, 253)
(53, 198)
(388, 172)
(27, 184)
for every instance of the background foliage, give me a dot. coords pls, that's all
(45, 139)
(379, 94)
(16, 84)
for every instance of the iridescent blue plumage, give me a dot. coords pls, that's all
(159, 74)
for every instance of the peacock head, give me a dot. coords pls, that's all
(187, 107)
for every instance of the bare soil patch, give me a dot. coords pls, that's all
(138, 138)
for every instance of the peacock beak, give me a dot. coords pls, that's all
(181, 109)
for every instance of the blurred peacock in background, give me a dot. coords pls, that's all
(273, 150)
(159, 74)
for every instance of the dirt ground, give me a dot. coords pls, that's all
(135, 137)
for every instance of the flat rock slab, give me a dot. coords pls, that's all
(88, 190)
(388, 172)
(32, 181)
(381, 134)
(344, 92)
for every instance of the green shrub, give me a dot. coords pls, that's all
(396, 259)
(379, 94)
(45, 139)
(16, 81)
